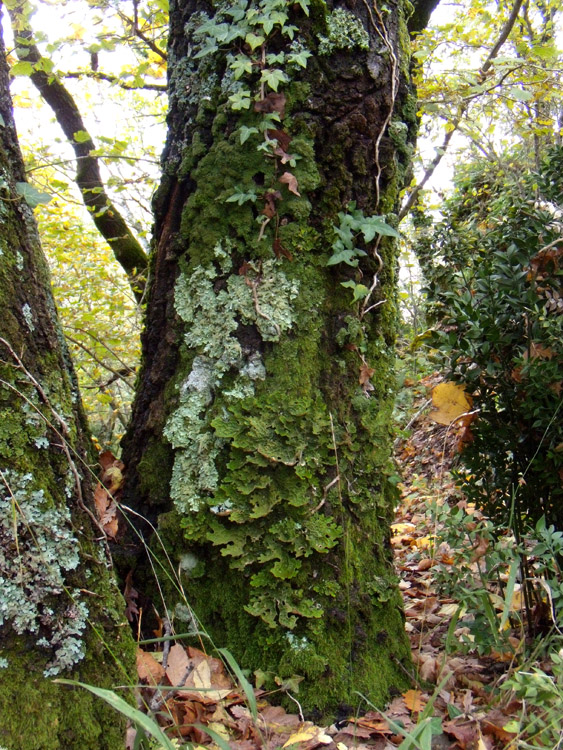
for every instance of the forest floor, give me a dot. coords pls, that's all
(455, 701)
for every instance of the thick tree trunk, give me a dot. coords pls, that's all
(60, 610)
(261, 430)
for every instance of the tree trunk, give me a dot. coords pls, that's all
(261, 430)
(60, 610)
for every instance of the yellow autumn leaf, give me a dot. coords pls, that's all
(413, 700)
(308, 733)
(450, 402)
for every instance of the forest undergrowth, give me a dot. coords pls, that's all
(482, 679)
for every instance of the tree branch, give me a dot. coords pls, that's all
(462, 109)
(99, 76)
(109, 222)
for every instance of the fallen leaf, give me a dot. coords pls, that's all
(291, 181)
(365, 373)
(308, 734)
(413, 700)
(272, 102)
(148, 669)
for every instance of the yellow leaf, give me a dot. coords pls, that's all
(413, 700)
(450, 402)
(308, 733)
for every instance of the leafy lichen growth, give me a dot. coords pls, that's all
(345, 31)
(37, 548)
(261, 298)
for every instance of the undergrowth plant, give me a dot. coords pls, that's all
(494, 288)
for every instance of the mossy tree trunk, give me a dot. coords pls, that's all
(261, 430)
(61, 613)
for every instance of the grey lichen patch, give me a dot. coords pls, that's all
(37, 549)
(345, 31)
(28, 317)
(213, 312)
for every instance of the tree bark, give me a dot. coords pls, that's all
(260, 437)
(60, 610)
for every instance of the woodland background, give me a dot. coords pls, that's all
(481, 226)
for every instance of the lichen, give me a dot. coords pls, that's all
(261, 298)
(344, 32)
(37, 549)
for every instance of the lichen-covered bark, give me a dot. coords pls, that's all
(60, 610)
(261, 431)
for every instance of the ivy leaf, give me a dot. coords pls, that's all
(344, 256)
(273, 77)
(245, 133)
(291, 181)
(240, 100)
(254, 41)
(2, 122)
(208, 50)
(241, 64)
(376, 225)
(360, 290)
(299, 58)
(31, 195)
(304, 5)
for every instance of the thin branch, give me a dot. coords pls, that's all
(455, 123)
(99, 76)
(109, 222)
(133, 23)
(118, 375)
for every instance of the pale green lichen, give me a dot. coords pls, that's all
(261, 298)
(37, 549)
(28, 317)
(345, 31)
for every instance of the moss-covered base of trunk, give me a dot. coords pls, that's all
(38, 714)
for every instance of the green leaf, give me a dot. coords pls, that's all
(241, 64)
(21, 68)
(344, 256)
(521, 95)
(254, 41)
(304, 5)
(273, 77)
(241, 197)
(208, 50)
(81, 136)
(240, 100)
(125, 709)
(31, 195)
(2, 123)
(245, 133)
(299, 58)
(376, 225)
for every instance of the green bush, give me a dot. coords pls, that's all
(494, 290)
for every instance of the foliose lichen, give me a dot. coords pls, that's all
(345, 31)
(261, 298)
(37, 549)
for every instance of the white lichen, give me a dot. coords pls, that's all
(37, 549)
(212, 314)
(345, 31)
(28, 317)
